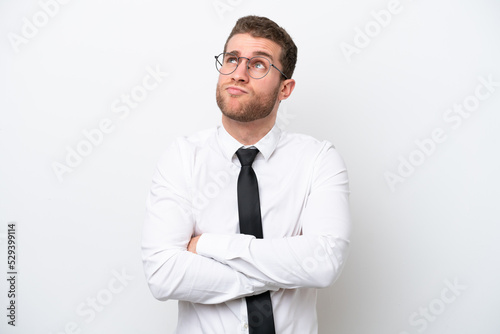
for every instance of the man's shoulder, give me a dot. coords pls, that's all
(197, 139)
(185, 147)
(310, 150)
(301, 140)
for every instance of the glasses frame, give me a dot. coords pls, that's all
(248, 67)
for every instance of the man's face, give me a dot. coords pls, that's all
(241, 97)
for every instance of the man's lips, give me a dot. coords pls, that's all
(233, 90)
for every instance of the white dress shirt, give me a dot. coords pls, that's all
(303, 190)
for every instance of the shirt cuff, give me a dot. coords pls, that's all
(223, 247)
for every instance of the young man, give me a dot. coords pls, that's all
(245, 221)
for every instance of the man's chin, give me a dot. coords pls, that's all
(233, 110)
(244, 110)
(237, 116)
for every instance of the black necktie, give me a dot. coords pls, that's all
(260, 309)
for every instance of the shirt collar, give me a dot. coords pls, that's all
(265, 145)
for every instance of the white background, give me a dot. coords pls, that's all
(437, 227)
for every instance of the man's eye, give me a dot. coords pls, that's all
(231, 60)
(259, 65)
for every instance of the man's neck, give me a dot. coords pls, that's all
(248, 133)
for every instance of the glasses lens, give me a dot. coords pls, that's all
(226, 63)
(258, 67)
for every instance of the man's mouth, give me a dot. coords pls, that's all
(233, 90)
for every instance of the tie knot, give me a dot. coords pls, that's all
(246, 156)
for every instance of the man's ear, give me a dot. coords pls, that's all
(287, 87)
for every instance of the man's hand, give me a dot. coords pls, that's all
(192, 244)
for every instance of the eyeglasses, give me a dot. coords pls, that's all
(257, 67)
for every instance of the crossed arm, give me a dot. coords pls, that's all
(192, 244)
(214, 268)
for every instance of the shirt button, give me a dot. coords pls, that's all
(245, 325)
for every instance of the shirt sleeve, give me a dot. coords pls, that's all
(313, 259)
(171, 271)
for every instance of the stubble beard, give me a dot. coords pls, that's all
(257, 108)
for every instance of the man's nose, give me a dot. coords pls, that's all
(241, 73)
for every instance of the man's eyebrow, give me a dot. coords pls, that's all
(263, 53)
(255, 53)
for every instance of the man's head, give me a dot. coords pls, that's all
(263, 27)
(240, 96)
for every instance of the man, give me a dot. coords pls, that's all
(195, 245)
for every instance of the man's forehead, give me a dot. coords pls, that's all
(245, 44)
